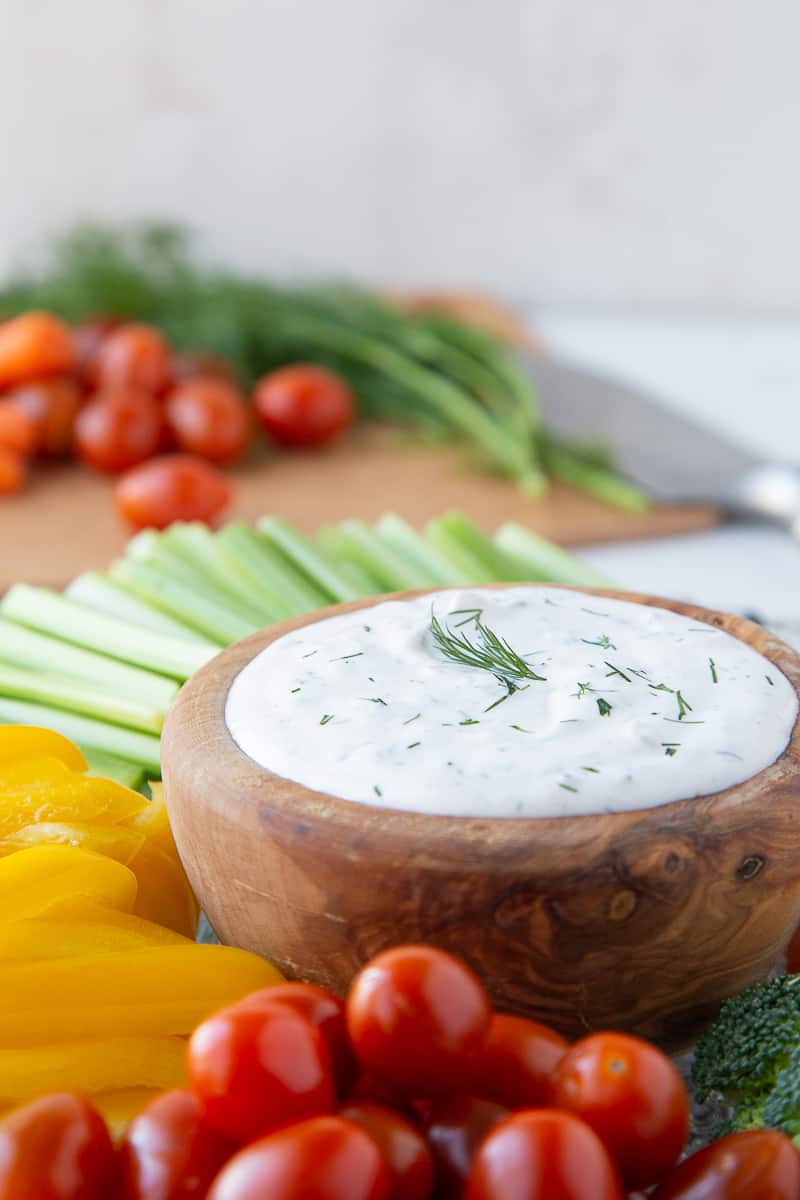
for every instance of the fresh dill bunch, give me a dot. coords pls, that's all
(487, 652)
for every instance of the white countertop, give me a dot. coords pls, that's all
(742, 376)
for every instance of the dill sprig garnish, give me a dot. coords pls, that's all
(604, 642)
(488, 653)
(604, 708)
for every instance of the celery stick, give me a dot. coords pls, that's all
(269, 569)
(21, 647)
(304, 555)
(545, 560)
(397, 533)
(211, 618)
(470, 565)
(47, 611)
(96, 591)
(356, 574)
(394, 571)
(466, 534)
(108, 766)
(135, 747)
(74, 696)
(197, 545)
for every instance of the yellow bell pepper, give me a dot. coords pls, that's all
(94, 931)
(153, 820)
(119, 1107)
(33, 881)
(153, 992)
(92, 1065)
(164, 894)
(29, 741)
(115, 841)
(79, 798)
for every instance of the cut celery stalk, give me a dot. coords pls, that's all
(546, 561)
(141, 748)
(21, 647)
(108, 766)
(269, 569)
(96, 591)
(304, 555)
(157, 555)
(214, 620)
(395, 572)
(470, 565)
(356, 574)
(47, 611)
(399, 535)
(202, 550)
(465, 533)
(79, 697)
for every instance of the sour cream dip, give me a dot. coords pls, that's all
(516, 702)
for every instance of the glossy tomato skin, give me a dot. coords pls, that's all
(51, 406)
(55, 1148)
(17, 430)
(516, 1064)
(173, 487)
(35, 345)
(403, 1147)
(304, 405)
(373, 1089)
(417, 1016)
(257, 1068)
(169, 1152)
(118, 429)
(208, 417)
(87, 338)
(542, 1154)
(757, 1165)
(327, 1158)
(133, 355)
(195, 365)
(455, 1126)
(13, 471)
(633, 1098)
(324, 1010)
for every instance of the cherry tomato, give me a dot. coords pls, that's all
(87, 338)
(456, 1125)
(304, 405)
(133, 355)
(175, 487)
(169, 1152)
(55, 1148)
(118, 429)
(632, 1097)
(196, 365)
(51, 405)
(208, 417)
(323, 1159)
(33, 346)
(257, 1068)
(517, 1061)
(403, 1147)
(13, 471)
(322, 1009)
(758, 1165)
(17, 430)
(542, 1154)
(415, 1016)
(372, 1089)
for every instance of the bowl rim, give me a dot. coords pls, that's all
(200, 707)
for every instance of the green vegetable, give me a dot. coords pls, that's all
(538, 558)
(301, 551)
(139, 748)
(108, 766)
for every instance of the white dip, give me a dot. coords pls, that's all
(637, 706)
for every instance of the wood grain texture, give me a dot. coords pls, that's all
(642, 921)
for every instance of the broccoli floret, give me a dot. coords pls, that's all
(782, 1107)
(749, 1044)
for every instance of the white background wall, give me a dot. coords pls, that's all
(620, 151)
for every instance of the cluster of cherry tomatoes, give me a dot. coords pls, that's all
(411, 1089)
(115, 396)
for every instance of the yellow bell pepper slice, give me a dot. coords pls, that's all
(115, 841)
(153, 820)
(119, 1107)
(20, 773)
(79, 798)
(92, 1065)
(164, 894)
(61, 935)
(155, 992)
(29, 741)
(33, 881)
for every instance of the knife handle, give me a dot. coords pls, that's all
(771, 492)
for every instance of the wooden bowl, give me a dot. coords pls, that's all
(641, 921)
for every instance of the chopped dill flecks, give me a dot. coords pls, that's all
(346, 657)
(416, 717)
(680, 721)
(593, 612)
(583, 688)
(310, 654)
(296, 690)
(469, 721)
(376, 790)
(769, 681)
(616, 671)
(593, 770)
(367, 628)
(413, 745)
(520, 729)
(568, 787)
(642, 674)
(661, 687)
(683, 705)
(604, 642)
(713, 669)
(671, 748)
(375, 700)
(326, 718)
(604, 708)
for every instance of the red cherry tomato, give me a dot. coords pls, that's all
(33, 346)
(407, 1156)
(455, 1127)
(257, 1068)
(13, 471)
(169, 1152)
(517, 1061)
(51, 405)
(416, 1015)
(542, 1154)
(322, 1009)
(55, 1148)
(87, 338)
(208, 417)
(372, 1089)
(133, 355)
(304, 405)
(175, 487)
(17, 430)
(632, 1097)
(118, 429)
(758, 1165)
(323, 1159)
(195, 365)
